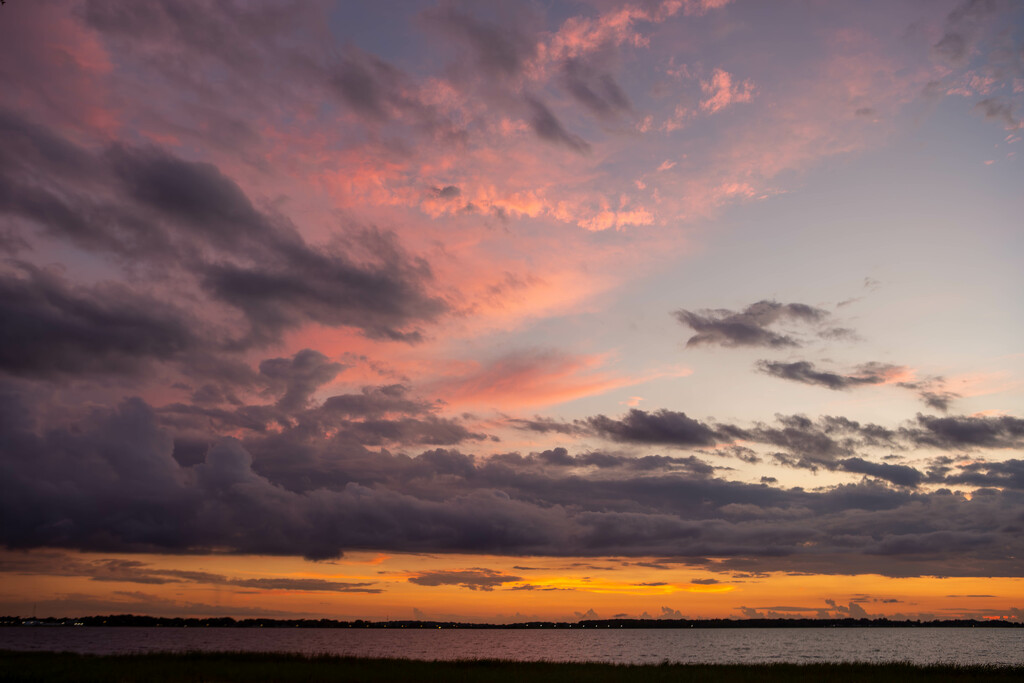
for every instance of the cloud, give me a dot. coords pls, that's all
(960, 431)
(548, 127)
(561, 458)
(196, 196)
(660, 427)
(315, 286)
(134, 571)
(188, 220)
(939, 400)
(448, 192)
(375, 402)
(994, 108)
(901, 475)
(545, 425)
(369, 85)
(112, 484)
(814, 443)
(931, 391)
(1007, 474)
(473, 579)
(750, 327)
(499, 50)
(376, 416)
(852, 610)
(383, 95)
(805, 372)
(299, 376)
(720, 92)
(963, 25)
(52, 327)
(829, 442)
(595, 90)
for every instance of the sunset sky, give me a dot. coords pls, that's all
(497, 311)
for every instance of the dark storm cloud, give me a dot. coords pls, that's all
(286, 282)
(111, 483)
(29, 146)
(376, 416)
(805, 372)
(660, 427)
(305, 284)
(475, 579)
(49, 327)
(547, 126)
(196, 196)
(750, 327)
(184, 219)
(595, 90)
(53, 184)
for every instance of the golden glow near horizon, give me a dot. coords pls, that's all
(471, 588)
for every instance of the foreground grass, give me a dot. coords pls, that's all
(258, 667)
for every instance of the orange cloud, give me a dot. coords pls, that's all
(622, 587)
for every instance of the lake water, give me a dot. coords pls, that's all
(1003, 646)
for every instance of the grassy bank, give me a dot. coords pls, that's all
(255, 668)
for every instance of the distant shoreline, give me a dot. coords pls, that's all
(230, 622)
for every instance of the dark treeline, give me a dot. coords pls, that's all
(229, 622)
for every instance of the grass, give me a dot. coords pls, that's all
(228, 667)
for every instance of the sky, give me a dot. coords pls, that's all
(497, 311)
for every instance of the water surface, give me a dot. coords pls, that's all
(1002, 646)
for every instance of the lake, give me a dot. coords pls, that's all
(1001, 646)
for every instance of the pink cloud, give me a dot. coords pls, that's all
(55, 68)
(722, 92)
